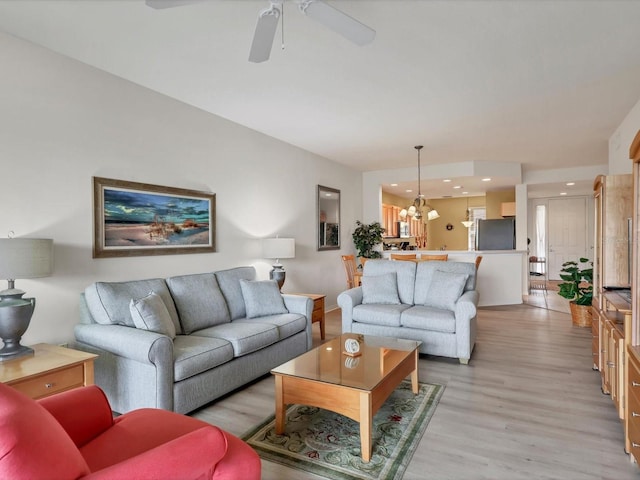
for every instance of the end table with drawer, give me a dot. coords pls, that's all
(51, 369)
(318, 309)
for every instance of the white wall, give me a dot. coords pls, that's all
(62, 122)
(620, 142)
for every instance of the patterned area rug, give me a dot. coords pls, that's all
(328, 444)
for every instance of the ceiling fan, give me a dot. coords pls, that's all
(268, 19)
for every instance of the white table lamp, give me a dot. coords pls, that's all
(278, 248)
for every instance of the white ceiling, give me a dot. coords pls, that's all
(540, 83)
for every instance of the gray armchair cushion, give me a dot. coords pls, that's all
(405, 273)
(108, 302)
(199, 301)
(150, 313)
(229, 281)
(380, 289)
(387, 315)
(427, 318)
(262, 298)
(445, 290)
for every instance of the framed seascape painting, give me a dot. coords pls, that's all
(133, 219)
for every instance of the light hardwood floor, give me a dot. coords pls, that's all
(528, 406)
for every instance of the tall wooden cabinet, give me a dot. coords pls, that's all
(613, 210)
(632, 378)
(612, 305)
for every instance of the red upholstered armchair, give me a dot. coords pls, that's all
(73, 435)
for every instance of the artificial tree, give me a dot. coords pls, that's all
(366, 237)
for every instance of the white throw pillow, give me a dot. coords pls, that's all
(445, 290)
(380, 289)
(262, 298)
(150, 313)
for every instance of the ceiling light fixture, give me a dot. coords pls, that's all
(419, 203)
(486, 179)
(570, 184)
(466, 222)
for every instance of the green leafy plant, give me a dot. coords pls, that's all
(578, 281)
(366, 237)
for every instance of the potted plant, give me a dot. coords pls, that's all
(578, 289)
(366, 237)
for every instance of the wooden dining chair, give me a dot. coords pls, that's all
(442, 258)
(349, 262)
(478, 260)
(397, 256)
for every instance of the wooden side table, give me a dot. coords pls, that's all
(51, 369)
(318, 309)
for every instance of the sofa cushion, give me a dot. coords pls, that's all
(405, 275)
(194, 354)
(262, 298)
(425, 271)
(427, 318)
(108, 302)
(199, 301)
(150, 313)
(380, 289)
(229, 281)
(288, 324)
(445, 289)
(33, 444)
(379, 314)
(245, 337)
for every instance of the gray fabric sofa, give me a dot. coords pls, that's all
(433, 302)
(222, 339)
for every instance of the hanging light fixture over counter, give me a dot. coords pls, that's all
(466, 222)
(416, 209)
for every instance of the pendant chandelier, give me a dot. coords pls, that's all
(467, 223)
(419, 204)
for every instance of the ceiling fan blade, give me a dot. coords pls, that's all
(161, 4)
(264, 34)
(338, 21)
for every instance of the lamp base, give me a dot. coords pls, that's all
(15, 316)
(12, 350)
(278, 274)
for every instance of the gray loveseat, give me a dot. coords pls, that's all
(218, 331)
(433, 302)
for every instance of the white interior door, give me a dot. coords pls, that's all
(567, 232)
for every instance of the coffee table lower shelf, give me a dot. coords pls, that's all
(359, 405)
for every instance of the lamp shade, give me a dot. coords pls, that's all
(25, 258)
(279, 248)
(432, 215)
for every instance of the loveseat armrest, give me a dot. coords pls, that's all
(191, 456)
(466, 305)
(466, 313)
(83, 412)
(128, 342)
(303, 306)
(347, 301)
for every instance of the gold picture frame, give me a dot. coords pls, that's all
(136, 219)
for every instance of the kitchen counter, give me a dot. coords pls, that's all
(501, 274)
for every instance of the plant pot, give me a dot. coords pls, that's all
(580, 314)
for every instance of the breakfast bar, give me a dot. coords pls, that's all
(502, 275)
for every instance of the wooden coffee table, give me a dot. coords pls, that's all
(355, 387)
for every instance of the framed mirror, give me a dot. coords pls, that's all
(328, 218)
